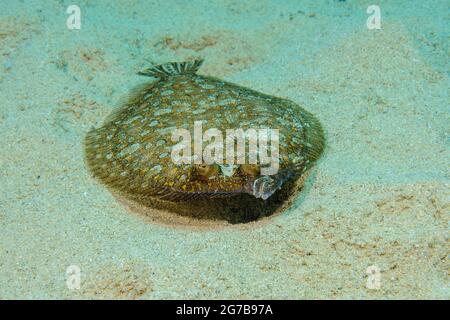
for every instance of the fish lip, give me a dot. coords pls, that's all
(264, 186)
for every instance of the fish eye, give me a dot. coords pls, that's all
(205, 172)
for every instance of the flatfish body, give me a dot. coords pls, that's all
(132, 153)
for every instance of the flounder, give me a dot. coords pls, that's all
(132, 152)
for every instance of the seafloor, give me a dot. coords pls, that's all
(378, 197)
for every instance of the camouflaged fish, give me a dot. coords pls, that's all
(131, 152)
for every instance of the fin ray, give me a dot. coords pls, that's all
(172, 69)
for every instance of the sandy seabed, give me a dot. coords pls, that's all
(378, 197)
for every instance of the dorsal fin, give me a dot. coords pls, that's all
(172, 68)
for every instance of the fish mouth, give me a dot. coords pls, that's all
(264, 186)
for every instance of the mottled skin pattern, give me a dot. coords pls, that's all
(131, 152)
